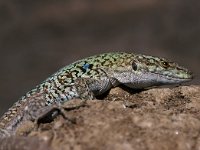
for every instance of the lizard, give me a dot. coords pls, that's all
(90, 77)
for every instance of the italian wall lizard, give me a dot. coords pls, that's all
(91, 77)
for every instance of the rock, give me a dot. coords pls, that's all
(160, 118)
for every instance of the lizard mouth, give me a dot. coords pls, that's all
(160, 78)
(177, 79)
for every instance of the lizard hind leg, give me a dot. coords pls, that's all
(34, 118)
(45, 115)
(48, 114)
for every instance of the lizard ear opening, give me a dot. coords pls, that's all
(134, 66)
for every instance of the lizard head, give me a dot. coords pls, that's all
(140, 71)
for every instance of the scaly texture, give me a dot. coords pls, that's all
(90, 77)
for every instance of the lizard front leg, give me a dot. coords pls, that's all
(96, 87)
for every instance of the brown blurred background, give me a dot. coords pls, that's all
(39, 37)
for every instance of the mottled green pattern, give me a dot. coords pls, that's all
(95, 75)
(95, 67)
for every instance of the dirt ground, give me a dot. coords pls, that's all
(155, 119)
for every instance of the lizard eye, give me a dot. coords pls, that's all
(134, 66)
(165, 64)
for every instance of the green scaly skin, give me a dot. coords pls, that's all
(90, 77)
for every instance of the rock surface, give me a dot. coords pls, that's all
(162, 118)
